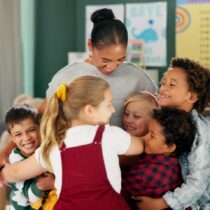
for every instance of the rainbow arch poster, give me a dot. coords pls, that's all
(193, 30)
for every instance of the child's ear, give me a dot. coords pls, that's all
(10, 137)
(88, 110)
(170, 148)
(193, 98)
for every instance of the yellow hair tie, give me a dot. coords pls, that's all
(61, 92)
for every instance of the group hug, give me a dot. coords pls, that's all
(106, 138)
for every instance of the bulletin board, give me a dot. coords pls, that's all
(170, 26)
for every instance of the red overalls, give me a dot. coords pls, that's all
(85, 185)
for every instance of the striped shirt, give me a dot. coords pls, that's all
(23, 192)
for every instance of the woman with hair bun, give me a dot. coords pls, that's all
(107, 54)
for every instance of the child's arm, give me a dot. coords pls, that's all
(22, 170)
(34, 189)
(136, 146)
(4, 154)
(31, 191)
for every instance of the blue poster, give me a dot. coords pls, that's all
(147, 22)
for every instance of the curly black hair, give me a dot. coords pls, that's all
(198, 79)
(178, 128)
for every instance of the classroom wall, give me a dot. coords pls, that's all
(54, 38)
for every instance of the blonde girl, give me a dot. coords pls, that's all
(138, 109)
(80, 147)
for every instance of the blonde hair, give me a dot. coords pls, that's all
(143, 96)
(85, 90)
(25, 99)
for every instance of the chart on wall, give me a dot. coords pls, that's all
(193, 30)
(147, 22)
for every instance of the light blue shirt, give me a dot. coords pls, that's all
(195, 191)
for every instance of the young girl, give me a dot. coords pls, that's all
(80, 147)
(186, 86)
(138, 109)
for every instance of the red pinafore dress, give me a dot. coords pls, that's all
(85, 185)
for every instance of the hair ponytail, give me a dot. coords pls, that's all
(53, 128)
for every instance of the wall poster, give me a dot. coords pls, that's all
(193, 30)
(148, 22)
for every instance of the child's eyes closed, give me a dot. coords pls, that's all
(126, 114)
(18, 135)
(137, 116)
(31, 130)
(172, 84)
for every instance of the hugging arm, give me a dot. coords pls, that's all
(22, 170)
(136, 146)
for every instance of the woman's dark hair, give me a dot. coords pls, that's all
(198, 79)
(107, 30)
(178, 128)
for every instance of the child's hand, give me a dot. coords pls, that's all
(4, 154)
(147, 203)
(45, 181)
(3, 157)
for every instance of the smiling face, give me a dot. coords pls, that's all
(26, 136)
(136, 117)
(108, 58)
(174, 90)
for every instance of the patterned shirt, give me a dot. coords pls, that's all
(22, 193)
(195, 191)
(152, 175)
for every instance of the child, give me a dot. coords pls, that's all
(186, 86)
(138, 109)
(22, 123)
(80, 147)
(171, 133)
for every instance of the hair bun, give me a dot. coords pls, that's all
(101, 15)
